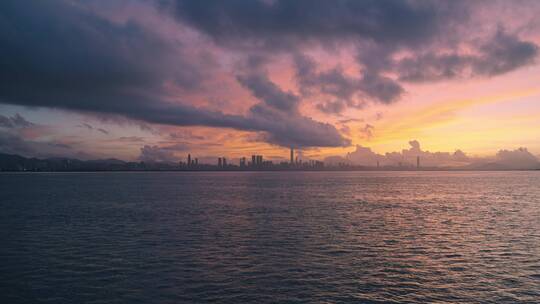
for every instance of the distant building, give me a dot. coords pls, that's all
(189, 160)
(220, 162)
(417, 162)
(292, 156)
(224, 162)
(253, 160)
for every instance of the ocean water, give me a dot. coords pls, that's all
(270, 237)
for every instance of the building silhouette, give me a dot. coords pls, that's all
(292, 156)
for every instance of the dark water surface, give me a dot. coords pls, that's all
(274, 237)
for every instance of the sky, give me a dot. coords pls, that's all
(154, 80)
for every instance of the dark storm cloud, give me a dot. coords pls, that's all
(270, 93)
(60, 55)
(333, 82)
(16, 121)
(290, 25)
(276, 24)
(295, 130)
(502, 53)
(278, 116)
(332, 107)
(348, 89)
(377, 29)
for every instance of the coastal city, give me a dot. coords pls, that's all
(256, 162)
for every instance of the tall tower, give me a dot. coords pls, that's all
(292, 155)
(418, 162)
(189, 160)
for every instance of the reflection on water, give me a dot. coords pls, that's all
(270, 237)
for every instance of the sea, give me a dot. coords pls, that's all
(270, 237)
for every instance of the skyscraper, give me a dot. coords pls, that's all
(189, 160)
(292, 155)
(253, 160)
(219, 162)
(417, 162)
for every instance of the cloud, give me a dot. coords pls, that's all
(332, 107)
(520, 158)
(502, 53)
(91, 128)
(349, 90)
(90, 58)
(367, 131)
(12, 143)
(364, 156)
(278, 24)
(278, 117)
(130, 139)
(376, 29)
(332, 82)
(161, 154)
(16, 121)
(270, 93)
(379, 32)
(109, 68)
(86, 126)
(185, 135)
(103, 131)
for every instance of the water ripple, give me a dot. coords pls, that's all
(289, 237)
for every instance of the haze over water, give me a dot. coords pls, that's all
(270, 237)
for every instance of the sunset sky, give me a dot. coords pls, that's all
(155, 80)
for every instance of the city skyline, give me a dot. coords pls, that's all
(363, 158)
